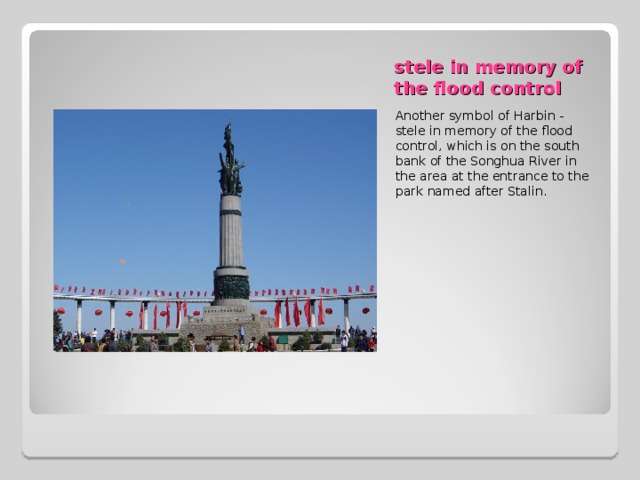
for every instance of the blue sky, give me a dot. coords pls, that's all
(142, 186)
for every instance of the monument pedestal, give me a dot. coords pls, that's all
(225, 320)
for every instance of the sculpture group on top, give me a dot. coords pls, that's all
(230, 169)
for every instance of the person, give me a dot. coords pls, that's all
(337, 331)
(94, 336)
(357, 330)
(110, 345)
(360, 344)
(365, 341)
(259, 348)
(236, 345)
(372, 344)
(192, 342)
(154, 344)
(344, 342)
(69, 343)
(272, 344)
(209, 345)
(241, 333)
(252, 345)
(88, 345)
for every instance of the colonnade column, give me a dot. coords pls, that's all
(112, 314)
(145, 318)
(79, 317)
(346, 315)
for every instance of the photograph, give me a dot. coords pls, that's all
(214, 230)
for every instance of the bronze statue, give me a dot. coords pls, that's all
(230, 170)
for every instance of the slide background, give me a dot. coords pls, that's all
(15, 17)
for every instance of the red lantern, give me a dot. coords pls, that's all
(365, 310)
(61, 310)
(163, 313)
(196, 312)
(98, 312)
(328, 311)
(129, 313)
(263, 311)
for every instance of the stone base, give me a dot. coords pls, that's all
(225, 320)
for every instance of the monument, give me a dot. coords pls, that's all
(230, 307)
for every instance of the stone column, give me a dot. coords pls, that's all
(231, 278)
(346, 315)
(145, 316)
(79, 317)
(112, 314)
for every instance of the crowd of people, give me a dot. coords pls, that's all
(362, 341)
(90, 341)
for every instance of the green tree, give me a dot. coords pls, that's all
(302, 343)
(58, 329)
(181, 345)
(224, 346)
(141, 344)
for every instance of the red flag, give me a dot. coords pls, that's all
(135, 291)
(371, 289)
(205, 293)
(111, 292)
(56, 287)
(321, 289)
(126, 292)
(357, 288)
(313, 291)
(162, 292)
(83, 289)
(320, 313)
(198, 293)
(335, 291)
(119, 291)
(277, 313)
(349, 289)
(184, 308)
(92, 290)
(141, 314)
(155, 317)
(307, 311)
(168, 315)
(255, 293)
(296, 312)
(171, 294)
(298, 292)
(291, 292)
(75, 289)
(305, 291)
(178, 308)
(286, 312)
(62, 289)
(269, 292)
(263, 293)
(148, 292)
(276, 291)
